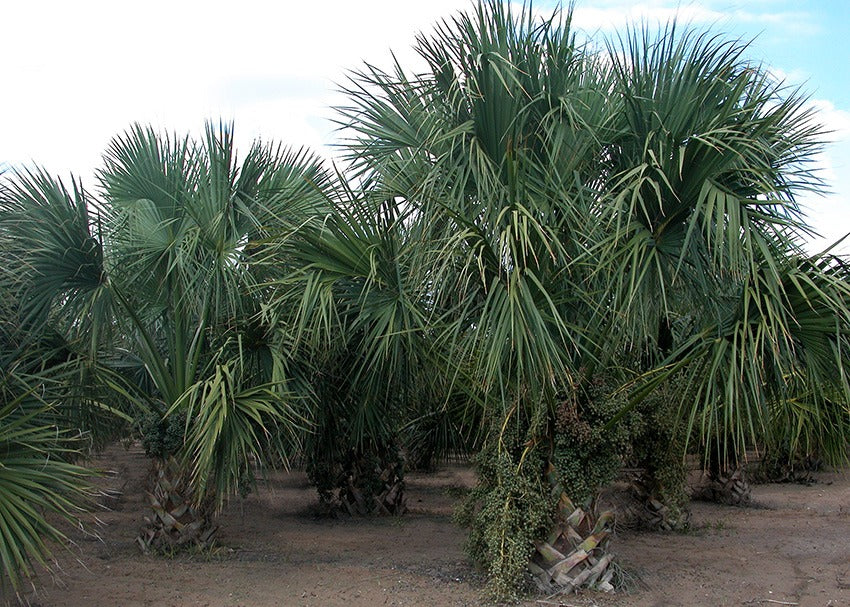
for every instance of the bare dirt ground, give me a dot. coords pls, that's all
(792, 548)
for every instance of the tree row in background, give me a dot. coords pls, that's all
(559, 255)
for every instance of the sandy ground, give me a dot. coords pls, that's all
(792, 548)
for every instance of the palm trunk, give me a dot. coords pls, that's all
(363, 483)
(727, 479)
(177, 522)
(659, 508)
(729, 486)
(576, 554)
(374, 486)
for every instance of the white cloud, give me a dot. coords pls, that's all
(82, 71)
(593, 18)
(830, 214)
(616, 14)
(835, 120)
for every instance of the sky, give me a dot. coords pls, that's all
(78, 73)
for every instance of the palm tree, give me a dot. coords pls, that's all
(704, 245)
(589, 217)
(157, 278)
(357, 310)
(498, 149)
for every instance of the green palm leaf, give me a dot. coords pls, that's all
(37, 479)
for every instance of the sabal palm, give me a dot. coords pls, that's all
(57, 403)
(159, 271)
(188, 223)
(578, 206)
(498, 150)
(355, 307)
(704, 237)
(498, 188)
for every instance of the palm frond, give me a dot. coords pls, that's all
(37, 480)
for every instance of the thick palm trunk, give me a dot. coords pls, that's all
(727, 479)
(657, 509)
(373, 486)
(729, 487)
(361, 484)
(576, 553)
(176, 521)
(781, 465)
